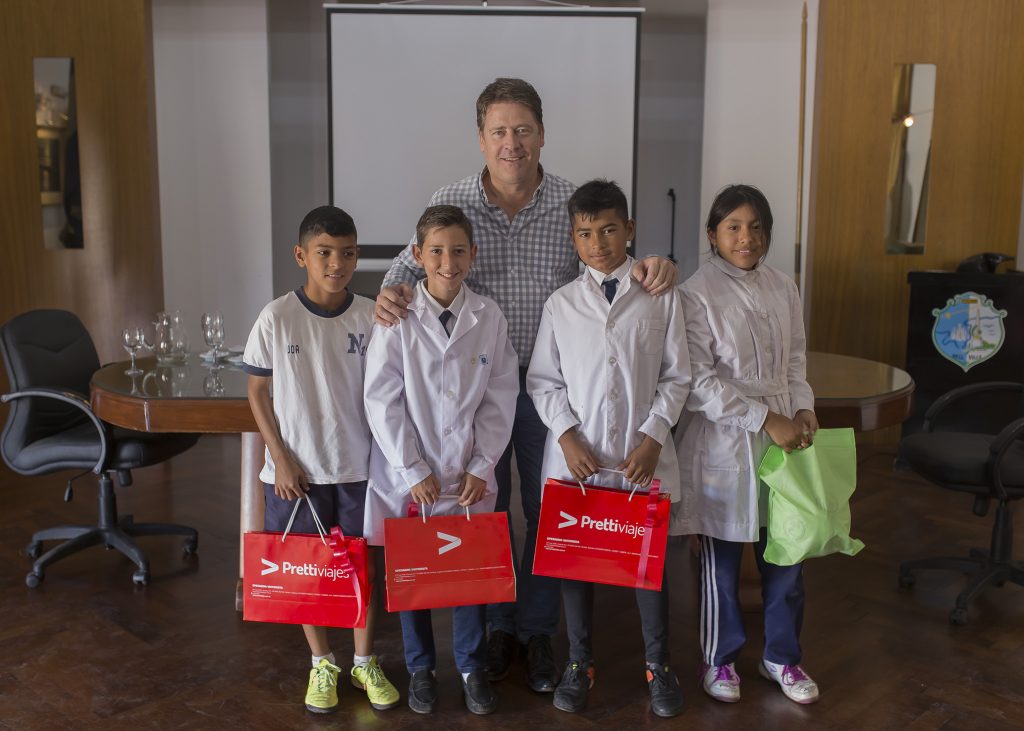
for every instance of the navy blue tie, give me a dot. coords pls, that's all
(610, 285)
(445, 317)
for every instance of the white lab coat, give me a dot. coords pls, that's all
(437, 405)
(747, 352)
(616, 371)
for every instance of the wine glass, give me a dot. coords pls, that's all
(213, 335)
(211, 319)
(131, 339)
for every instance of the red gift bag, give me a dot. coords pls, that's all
(448, 561)
(306, 579)
(602, 535)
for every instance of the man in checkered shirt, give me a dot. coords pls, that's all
(522, 229)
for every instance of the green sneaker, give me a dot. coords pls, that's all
(322, 693)
(379, 690)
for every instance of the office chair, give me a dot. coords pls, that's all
(50, 359)
(956, 451)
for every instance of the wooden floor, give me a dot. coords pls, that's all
(88, 650)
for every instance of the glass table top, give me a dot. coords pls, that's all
(195, 378)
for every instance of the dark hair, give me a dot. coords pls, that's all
(442, 217)
(508, 90)
(732, 197)
(326, 220)
(596, 196)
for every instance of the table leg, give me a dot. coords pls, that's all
(252, 499)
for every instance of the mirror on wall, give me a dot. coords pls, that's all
(910, 146)
(60, 190)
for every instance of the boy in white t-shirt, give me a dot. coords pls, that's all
(308, 349)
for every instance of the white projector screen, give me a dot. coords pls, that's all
(403, 83)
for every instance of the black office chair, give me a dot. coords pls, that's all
(50, 359)
(956, 451)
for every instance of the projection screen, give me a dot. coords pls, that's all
(403, 83)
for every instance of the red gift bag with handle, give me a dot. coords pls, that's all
(306, 579)
(603, 535)
(447, 560)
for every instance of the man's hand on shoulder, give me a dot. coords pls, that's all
(656, 274)
(392, 304)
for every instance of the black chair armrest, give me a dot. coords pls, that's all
(941, 403)
(997, 450)
(76, 400)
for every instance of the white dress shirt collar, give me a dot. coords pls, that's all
(435, 307)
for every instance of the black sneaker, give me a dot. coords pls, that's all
(501, 651)
(541, 671)
(423, 691)
(666, 695)
(480, 697)
(571, 693)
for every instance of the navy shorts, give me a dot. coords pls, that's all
(342, 505)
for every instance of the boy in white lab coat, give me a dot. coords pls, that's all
(609, 376)
(440, 397)
(308, 349)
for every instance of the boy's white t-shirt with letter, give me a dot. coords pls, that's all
(317, 361)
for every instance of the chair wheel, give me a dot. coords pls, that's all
(190, 545)
(33, 549)
(32, 579)
(140, 577)
(907, 580)
(958, 617)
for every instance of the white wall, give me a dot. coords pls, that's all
(213, 142)
(751, 110)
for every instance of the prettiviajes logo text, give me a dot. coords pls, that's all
(304, 569)
(608, 525)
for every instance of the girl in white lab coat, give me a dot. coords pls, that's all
(749, 390)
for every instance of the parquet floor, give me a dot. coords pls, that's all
(88, 650)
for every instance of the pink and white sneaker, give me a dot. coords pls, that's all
(795, 683)
(721, 682)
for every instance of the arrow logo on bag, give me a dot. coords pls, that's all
(453, 542)
(271, 567)
(569, 520)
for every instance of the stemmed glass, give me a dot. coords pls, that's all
(212, 322)
(213, 335)
(132, 339)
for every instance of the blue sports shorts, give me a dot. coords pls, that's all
(342, 505)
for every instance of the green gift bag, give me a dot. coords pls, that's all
(809, 498)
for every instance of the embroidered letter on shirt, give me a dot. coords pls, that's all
(355, 344)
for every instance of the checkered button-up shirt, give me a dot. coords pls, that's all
(519, 263)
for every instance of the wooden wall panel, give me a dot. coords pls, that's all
(117, 277)
(858, 293)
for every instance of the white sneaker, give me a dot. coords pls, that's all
(795, 683)
(721, 682)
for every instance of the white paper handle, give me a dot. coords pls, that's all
(316, 520)
(614, 472)
(423, 506)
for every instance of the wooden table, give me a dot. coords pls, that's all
(190, 397)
